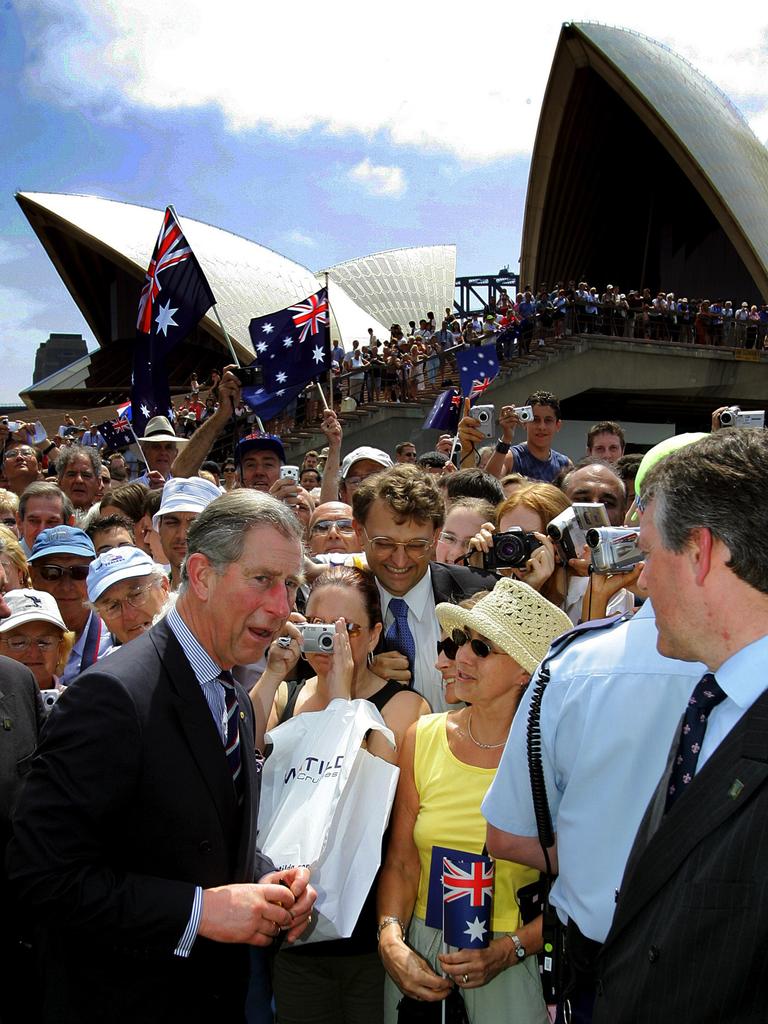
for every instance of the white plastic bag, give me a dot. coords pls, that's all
(325, 803)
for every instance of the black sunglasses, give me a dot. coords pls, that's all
(55, 572)
(480, 647)
(448, 648)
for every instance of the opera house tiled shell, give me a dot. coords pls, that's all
(643, 174)
(101, 249)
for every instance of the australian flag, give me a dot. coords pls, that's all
(292, 348)
(150, 393)
(176, 293)
(117, 433)
(477, 368)
(467, 901)
(445, 413)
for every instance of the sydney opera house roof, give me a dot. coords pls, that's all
(643, 171)
(101, 249)
(387, 283)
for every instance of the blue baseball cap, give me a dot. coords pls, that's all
(116, 565)
(62, 540)
(260, 443)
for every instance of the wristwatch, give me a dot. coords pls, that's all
(385, 922)
(502, 447)
(519, 947)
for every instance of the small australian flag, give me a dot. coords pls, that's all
(477, 368)
(292, 348)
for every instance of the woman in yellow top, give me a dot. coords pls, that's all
(446, 766)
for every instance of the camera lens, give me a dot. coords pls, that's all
(510, 550)
(326, 642)
(593, 537)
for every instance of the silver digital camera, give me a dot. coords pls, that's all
(49, 699)
(614, 549)
(568, 530)
(524, 413)
(734, 417)
(486, 417)
(317, 637)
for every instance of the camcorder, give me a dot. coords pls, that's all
(734, 417)
(568, 530)
(511, 549)
(317, 637)
(249, 376)
(614, 549)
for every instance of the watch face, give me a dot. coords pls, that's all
(520, 952)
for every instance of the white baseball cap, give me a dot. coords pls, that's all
(116, 565)
(374, 454)
(185, 494)
(31, 606)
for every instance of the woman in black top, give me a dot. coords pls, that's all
(343, 980)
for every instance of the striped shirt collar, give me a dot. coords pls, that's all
(203, 665)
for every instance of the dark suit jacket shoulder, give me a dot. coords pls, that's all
(454, 583)
(21, 713)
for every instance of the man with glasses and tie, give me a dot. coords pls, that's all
(398, 515)
(135, 839)
(59, 565)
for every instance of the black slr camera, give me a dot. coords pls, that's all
(511, 549)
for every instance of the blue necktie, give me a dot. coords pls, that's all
(399, 636)
(706, 695)
(232, 741)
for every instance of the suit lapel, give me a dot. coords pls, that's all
(731, 776)
(197, 724)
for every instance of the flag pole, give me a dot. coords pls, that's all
(322, 395)
(260, 425)
(141, 450)
(330, 361)
(235, 360)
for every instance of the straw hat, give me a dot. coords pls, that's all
(514, 617)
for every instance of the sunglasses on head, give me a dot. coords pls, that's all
(56, 572)
(479, 647)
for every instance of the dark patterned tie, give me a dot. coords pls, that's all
(399, 636)
(706, 695)
(232, 742)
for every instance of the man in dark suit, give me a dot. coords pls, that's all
(398, 516)
(134, 844)
(689, 940)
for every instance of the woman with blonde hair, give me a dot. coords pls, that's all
(35, 635)
(13, 560)
(531, 508)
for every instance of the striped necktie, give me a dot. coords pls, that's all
(232, 741)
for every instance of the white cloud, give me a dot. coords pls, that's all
(378, 179)
(299, 238)
(411, 78)
(18, 311)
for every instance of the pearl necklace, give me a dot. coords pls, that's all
(485, 746)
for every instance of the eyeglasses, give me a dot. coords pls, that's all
(137, 598)
(451, 538)
(324, 526)
(480, 647)
(50, 573)
(10, 522)
(18, 644)
(447, 647)
(385, 546)
(19, 453)
(353, 629)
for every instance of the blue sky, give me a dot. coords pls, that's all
(308, 129)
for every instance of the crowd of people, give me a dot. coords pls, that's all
(151, 641)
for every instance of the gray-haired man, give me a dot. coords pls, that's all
(151, 901)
